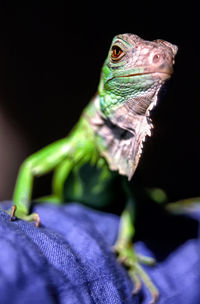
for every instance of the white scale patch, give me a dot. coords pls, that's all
(123, 136)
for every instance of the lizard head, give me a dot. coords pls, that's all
(135, 69)
(131, 78)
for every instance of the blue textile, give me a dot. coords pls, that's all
(68, 260)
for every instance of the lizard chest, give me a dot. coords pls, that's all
(95, 185)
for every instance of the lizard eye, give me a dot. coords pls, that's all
(116, 53)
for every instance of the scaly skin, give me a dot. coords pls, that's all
(94, 163)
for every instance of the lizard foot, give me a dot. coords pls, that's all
(31, 217)
(131, 261)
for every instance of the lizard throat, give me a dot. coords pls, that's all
(121, 137)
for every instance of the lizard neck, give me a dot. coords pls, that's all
(120, 137)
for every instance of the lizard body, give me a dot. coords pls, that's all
(94, 163)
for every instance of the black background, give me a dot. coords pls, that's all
(50, 61)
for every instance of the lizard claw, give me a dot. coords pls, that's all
(131, 260)
(31, 217)
(155, 297)
(137, 288)
(36, 218)
(12, 214)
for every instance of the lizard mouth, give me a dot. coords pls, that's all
(162, 72)
(164, 75)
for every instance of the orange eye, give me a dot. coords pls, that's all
(116, 53)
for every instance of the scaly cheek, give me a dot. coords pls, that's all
(129, 86)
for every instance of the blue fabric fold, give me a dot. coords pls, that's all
(69, 260)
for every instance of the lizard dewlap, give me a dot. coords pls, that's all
(94, 163)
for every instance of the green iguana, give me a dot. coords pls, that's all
(95, 161)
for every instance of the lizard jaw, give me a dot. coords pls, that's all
(156, 74)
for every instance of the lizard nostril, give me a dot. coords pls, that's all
(156, 58)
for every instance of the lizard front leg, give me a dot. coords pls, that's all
(37, 164)
(129, 258)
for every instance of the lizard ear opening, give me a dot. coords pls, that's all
(173, 47)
